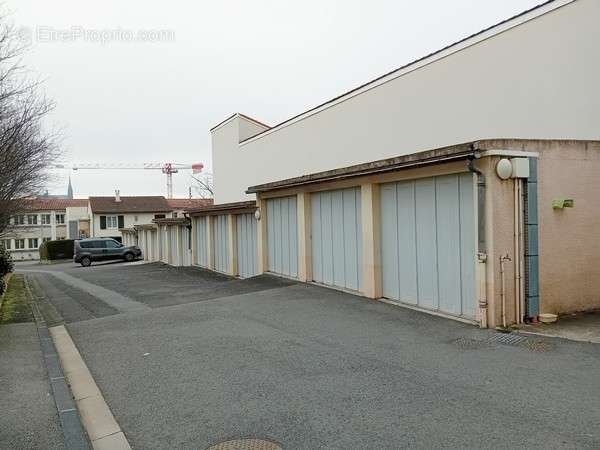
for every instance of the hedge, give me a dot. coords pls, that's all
(6, 267)
(61, 249)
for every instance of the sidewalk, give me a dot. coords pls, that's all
(28, 417)
(583, 327)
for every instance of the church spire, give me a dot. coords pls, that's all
(70, 189)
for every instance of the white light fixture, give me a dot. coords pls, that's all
(257, 214)
(504, 169)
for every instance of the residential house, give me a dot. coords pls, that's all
(109, 214)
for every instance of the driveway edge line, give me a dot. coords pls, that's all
(100, 424)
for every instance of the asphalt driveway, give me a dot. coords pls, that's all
(212, 358)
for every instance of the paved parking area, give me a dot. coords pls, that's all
(215, 358)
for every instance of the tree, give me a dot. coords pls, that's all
(204, 185)
(26, 148)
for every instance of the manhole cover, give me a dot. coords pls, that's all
(246, 444)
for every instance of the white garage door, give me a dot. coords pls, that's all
(428, 243)
(336, 238)
(221, 243)
(153, 245)
(282, 236)
(186, 246)
(164, 242)
(173, 245)
(201, 239)
(247, 250)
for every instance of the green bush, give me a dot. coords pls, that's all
(61, 249)
(6, 262)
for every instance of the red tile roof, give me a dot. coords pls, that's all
(51, 204)
(189, 203)
(149, 204)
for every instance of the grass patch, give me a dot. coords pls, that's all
(16, 305)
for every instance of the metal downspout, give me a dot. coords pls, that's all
(481, 244)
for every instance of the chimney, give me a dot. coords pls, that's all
(117, 195)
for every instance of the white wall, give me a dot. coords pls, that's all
(536, 80)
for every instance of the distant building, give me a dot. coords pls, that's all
(44, 219)
(51, 217)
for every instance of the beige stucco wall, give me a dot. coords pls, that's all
(570, 237)
(500, 220)
(532, 81)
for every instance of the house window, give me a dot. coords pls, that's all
(19, 220)
(175, 215)
(111, 222)
(19, 243)
(60, 218)
(45, 219)
(46, 239)
(159, 216)
(32, 219)
(135, 218)
(5, 243)
(33, 243)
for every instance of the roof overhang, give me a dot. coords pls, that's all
(146, 226)
(172, 221)
(127, 230)
(429, 157)
(225, 208)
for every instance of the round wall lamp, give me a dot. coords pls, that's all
(257, 214)
(504, 169)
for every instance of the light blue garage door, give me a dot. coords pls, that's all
(336, 238)
(282, 236)
(221, 243)
(201, 241)
(247, 250)
(428, 243)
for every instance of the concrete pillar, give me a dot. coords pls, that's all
(371, 240)
(232, 238)
(263, 250)
(304, 237)
(210, 250)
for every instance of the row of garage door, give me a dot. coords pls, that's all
(427, 241)
(246, 243)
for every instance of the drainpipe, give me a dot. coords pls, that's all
(518, 242)
(503, 288)
(481, 244)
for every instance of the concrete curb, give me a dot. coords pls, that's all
(99, 422)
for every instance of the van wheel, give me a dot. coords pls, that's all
(129, 257)
(86, 261)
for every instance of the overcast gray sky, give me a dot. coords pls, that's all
(125, 100)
